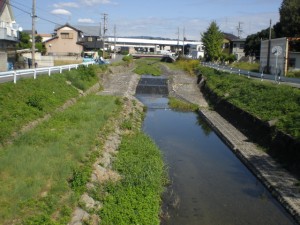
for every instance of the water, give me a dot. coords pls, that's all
(209, 185)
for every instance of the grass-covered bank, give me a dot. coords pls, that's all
(30, 99)
(177, 104)
(148, 66)
(43, 173)
(265, 100)
(136, 198)
(267, 113)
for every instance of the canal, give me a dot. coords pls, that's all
(209, 185)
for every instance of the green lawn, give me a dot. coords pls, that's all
(36, 168)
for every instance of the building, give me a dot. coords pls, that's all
(237, 49)
(282, 55)
(65, 42)
(9, 34)
(233, 45)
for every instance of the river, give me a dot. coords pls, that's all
(209, 185)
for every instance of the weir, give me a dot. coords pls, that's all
(149, 84)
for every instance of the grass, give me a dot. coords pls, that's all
(44, 171)
(253, 67)
(136, 198)
(188, 65)
(148, 67)
(31, 99)
(264, 100)
(177, 104)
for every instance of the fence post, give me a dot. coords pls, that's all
(49, 72)
(69, 67)
(34, 74)
(15, 77)
(60, 69)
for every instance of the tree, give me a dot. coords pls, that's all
(40, 45)
(252, 43)
(290, 18)
(212, 41)
(24, 41)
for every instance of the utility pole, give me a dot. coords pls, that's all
(115, 40)
(239, 29)
(178, 33)
(269, 48)
(104, 31)
(183, 34)
(33, 33)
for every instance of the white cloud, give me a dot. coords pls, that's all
(85, 20)
(61, 12)
(96, 2)
(66, 4)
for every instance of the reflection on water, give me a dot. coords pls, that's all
(209, 185)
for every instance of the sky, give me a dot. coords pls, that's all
(156, 18)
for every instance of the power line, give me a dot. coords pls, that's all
(29, 13)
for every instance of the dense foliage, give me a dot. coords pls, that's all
(252, 43)
(290, 18)
(212, 41)
(264, 100)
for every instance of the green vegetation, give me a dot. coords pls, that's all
(187, 65)
(264, 100)
(254, 67)
(136, 198)
(294, 74)
(212, 40)
(32, 99)
(84, 77)
(45, 170)
(148, 66)
(177, 104)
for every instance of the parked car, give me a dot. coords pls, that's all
(10, 66)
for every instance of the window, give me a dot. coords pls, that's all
(242, 46)
(66, 35)
(90, 39)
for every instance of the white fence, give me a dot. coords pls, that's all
(36, 71)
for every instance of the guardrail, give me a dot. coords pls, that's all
(36, 71)
(249, 74)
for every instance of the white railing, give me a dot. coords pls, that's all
(36, 71)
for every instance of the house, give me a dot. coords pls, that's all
(233, 45)
(66, 42)
(282, 56)
(9, 34)
(237, 49)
